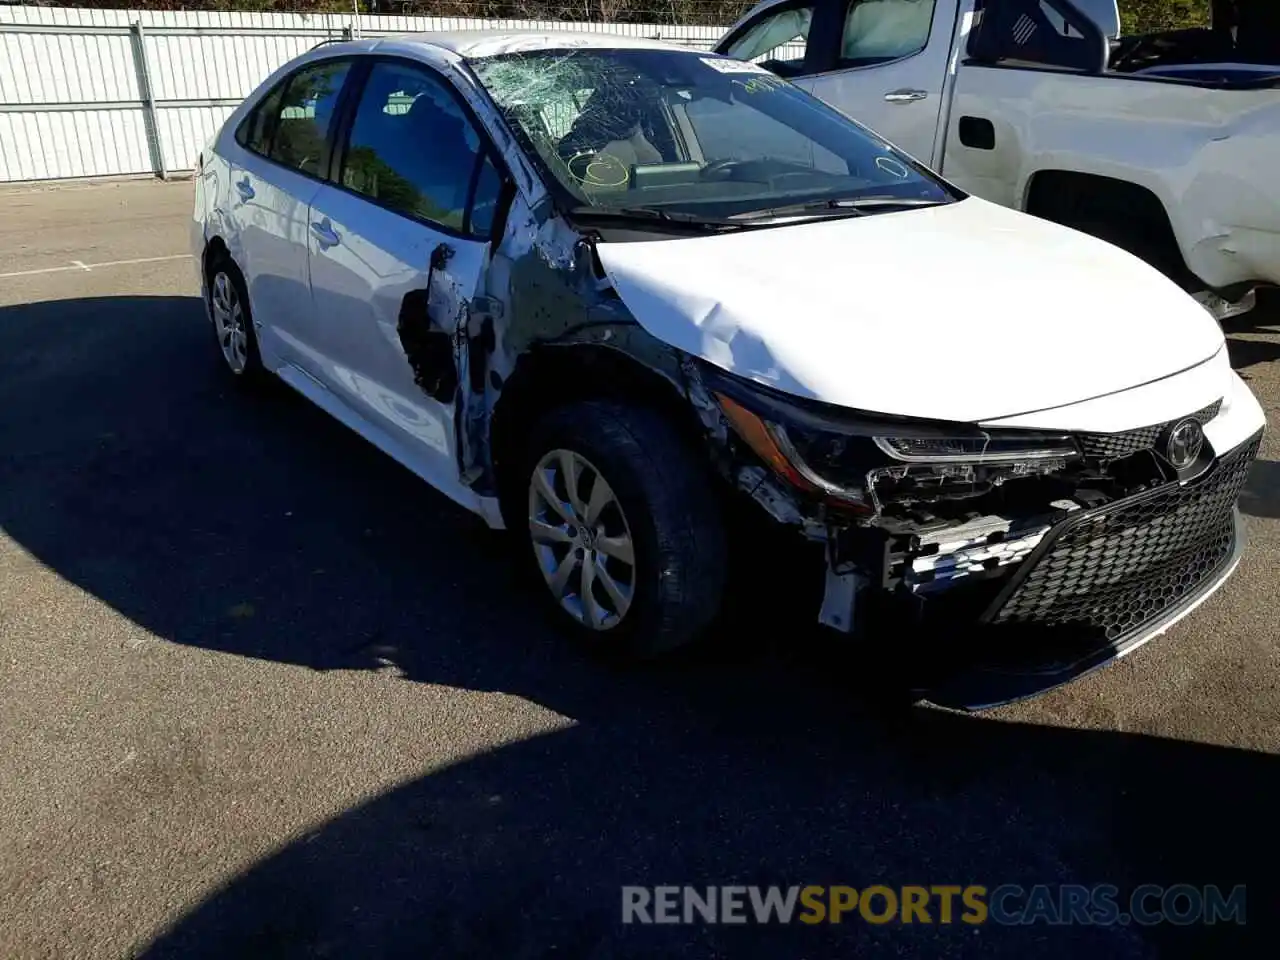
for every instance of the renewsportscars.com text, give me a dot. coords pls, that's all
(1007, 904)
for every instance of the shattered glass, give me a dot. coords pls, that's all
(685, 132)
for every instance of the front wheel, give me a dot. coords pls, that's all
(624, 528)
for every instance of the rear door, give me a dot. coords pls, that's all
(884, 63)
(274, 176)
(398, 244)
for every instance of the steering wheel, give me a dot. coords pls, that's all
(722, 169)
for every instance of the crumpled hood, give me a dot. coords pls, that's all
(964, 312)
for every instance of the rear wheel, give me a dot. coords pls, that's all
(624, 528)
(232, 320)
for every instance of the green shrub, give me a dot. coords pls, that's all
(1147, 16)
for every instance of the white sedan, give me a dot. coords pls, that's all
(595, 289)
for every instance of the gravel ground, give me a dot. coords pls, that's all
(266, 694)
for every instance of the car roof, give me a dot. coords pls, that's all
(473, 44)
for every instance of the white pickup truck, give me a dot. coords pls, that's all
(1165, 144)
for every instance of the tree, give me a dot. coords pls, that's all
(1148, 16)
(1138, 16)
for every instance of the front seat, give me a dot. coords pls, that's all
(611, 123)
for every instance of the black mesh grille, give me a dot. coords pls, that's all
(1108, 571)
(1112, 446)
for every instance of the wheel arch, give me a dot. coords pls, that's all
(215, 247)
(553, 375)
(1133, 215)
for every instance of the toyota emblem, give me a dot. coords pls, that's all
(1184, 444)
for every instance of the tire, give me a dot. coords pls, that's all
(232, 320)
(666, 509)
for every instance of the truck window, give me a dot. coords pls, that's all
(877, 31)
(1037, 33)
(777, 40)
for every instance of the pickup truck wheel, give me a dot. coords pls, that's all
(623, 528)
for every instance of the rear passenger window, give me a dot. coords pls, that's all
(254, 132)
(413, 150)
(302, 116)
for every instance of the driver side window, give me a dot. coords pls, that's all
(877, 31)
(779, 40)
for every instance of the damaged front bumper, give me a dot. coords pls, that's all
(997, 580)
(990, 684)
(1055, 604)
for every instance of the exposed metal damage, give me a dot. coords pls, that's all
(914, 529)
(918, 526)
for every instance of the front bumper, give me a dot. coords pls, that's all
(1098, 586)
(992, 684)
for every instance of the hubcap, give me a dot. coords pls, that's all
(229, 322)
(581, 540)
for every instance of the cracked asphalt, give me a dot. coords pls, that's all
(266, 694)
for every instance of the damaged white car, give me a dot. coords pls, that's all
(595, 288)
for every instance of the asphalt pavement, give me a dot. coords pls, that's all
(266, 694)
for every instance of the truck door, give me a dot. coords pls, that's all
(884, 62)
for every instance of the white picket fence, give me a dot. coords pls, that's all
(91, 93)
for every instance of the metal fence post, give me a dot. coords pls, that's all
(142, 64)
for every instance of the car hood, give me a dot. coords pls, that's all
(963, 312)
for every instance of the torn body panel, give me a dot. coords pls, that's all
(543, 295)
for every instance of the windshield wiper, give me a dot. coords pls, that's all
(650, 214)
(848, 207)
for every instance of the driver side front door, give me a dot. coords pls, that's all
(399, 246)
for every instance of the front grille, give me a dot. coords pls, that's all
(1113, 446)
(1106, 572)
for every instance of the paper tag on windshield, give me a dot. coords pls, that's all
(726, 65)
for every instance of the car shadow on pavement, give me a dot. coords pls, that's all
(1249, 353)
(255, 525)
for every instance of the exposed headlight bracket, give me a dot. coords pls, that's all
(983, 448)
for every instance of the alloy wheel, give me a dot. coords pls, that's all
(581, 540)
(229, 322)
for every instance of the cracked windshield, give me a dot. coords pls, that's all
(674, 134)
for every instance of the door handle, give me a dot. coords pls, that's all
(905, 96)
(246, 189)
(325, 234)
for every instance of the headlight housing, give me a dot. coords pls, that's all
(838, 454)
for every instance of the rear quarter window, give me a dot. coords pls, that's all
(291, 123)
